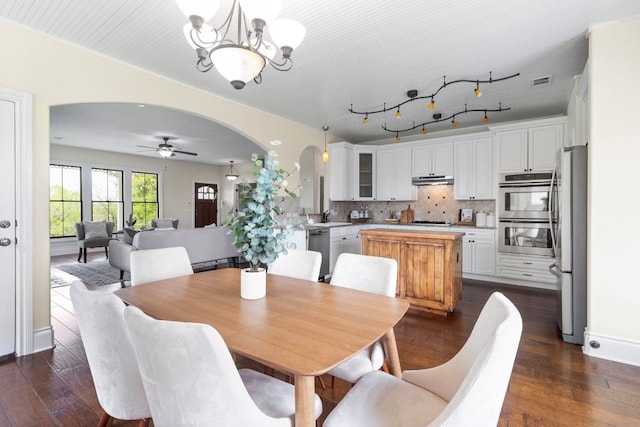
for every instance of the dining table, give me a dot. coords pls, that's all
(302, 328)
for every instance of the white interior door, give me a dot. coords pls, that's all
(7, 229)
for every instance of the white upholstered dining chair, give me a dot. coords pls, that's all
(301, 264)
(158, 264)
(112, 361)
(371, 274)
(468, 390)
(191, 380)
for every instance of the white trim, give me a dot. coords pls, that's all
(42, 339)
(610, 348)
(193, 201)
(24, 215)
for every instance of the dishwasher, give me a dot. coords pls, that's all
(319, 241)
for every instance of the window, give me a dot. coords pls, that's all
(144, 197)
(206, 193)
(65, 200)
(106, 196)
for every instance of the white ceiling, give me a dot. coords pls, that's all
(360, 52)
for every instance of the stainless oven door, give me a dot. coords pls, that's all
(528, 237)
(525, 201)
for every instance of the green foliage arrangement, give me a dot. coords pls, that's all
(256, 232)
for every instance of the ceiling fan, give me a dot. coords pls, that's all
(167, 150)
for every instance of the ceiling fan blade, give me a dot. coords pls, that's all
(185, 152)
(146, 146)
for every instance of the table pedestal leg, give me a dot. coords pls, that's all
(391, 350)
(305, 401)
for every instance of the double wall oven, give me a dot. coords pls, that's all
(528, 213)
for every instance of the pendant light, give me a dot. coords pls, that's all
(231, 175)
(325, 153)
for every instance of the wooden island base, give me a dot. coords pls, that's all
(429, 265)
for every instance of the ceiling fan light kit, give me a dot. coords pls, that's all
(241, 59)
(437, 117)
(166, 150)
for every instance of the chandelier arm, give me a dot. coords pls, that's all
(465, 111)
(201, 43)
(204, 64)
(444, 85)
(285, 65)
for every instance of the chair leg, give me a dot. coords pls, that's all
(121, 274)
(104, 420)
(106, 252)
(79, 254)
(85, 255)
(333, 381)
(322, 383)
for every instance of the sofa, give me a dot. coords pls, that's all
(203, 245)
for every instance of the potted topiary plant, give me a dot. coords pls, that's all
(257, 234)
(131, 221)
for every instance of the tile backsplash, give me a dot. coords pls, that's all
(435, 203)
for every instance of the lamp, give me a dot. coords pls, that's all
(244, 58)
(325, 153)
(231, 175)
(413, 96)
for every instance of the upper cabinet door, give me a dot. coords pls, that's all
(341, 172)
(432, 159)
(393, 174)
(443, 158)
(512, 146)
(474, 170)
(365, 174)
(544, 143)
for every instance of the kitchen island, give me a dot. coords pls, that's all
(429, 265)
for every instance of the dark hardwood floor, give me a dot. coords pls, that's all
(553, 383)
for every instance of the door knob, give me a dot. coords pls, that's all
(5, 224)
(5, 241)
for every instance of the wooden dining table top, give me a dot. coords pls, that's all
(301, 327)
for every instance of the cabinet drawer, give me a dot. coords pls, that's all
(526, 274)
(478, 235)
(528, 263)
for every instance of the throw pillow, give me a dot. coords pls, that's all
(128, 235)
(95, 230)
(164, 223)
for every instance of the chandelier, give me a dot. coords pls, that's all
(242, 58)
(413, 96)
(231, 174)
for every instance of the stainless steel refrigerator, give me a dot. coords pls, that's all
(570, 242)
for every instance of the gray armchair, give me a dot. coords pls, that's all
(96, 234)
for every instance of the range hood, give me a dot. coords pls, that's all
(432, 180)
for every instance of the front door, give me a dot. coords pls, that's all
(206, 205)
(7, 229)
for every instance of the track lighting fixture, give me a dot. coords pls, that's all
(413, 96)
(231, 175)
(325, 153)
(437, 117)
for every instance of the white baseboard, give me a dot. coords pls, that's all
(510, 281)
(614, 349)
(42, 339)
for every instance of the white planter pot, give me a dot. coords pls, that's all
(253, 284)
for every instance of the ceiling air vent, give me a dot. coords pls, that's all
(541, 81)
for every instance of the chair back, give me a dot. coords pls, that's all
(366, 273)
(300, 264)
(475, 380)
(80, 229)
(112, 361)
(158, 264)
(164, 223)
(189, 375)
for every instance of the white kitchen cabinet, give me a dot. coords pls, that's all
(431, 159)
(341, 171)
(365, 172)
(478, 252)
(393, 175)
(473, 169)
(342, 240)
(526, 267)
(529, 149)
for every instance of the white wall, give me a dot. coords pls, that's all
(614, 196)
(56, 73)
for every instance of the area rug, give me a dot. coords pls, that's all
(96, 272)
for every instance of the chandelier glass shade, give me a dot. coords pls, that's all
(237, 47)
